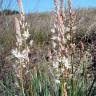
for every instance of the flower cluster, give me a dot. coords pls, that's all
(22, 49)
(59, 42)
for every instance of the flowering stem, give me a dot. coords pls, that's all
(21, 79)
(71, 41)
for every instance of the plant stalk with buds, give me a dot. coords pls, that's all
(61, 59)
(22, 49)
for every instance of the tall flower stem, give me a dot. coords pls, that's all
(21, 79)
(60, 42)
(71, 42)
(21, 69)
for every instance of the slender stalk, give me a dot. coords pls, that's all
(21, 79)
(71, 42)
(21, 69)
(61, 42)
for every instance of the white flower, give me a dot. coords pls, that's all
(54, 38)
(26, 34)
(54, 44)
(68, 36)
(27, 71)
(67, 29)
(24, 66)
(66, 62)
(53, 30)
(62, 70)
(55, 64)
(57, 81)
(16, 53)
(31, 43)
(21, 55)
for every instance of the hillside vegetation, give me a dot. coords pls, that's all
(41, 23)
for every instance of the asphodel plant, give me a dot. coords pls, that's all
(63, 46)
(60, 56)
(21, 51)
